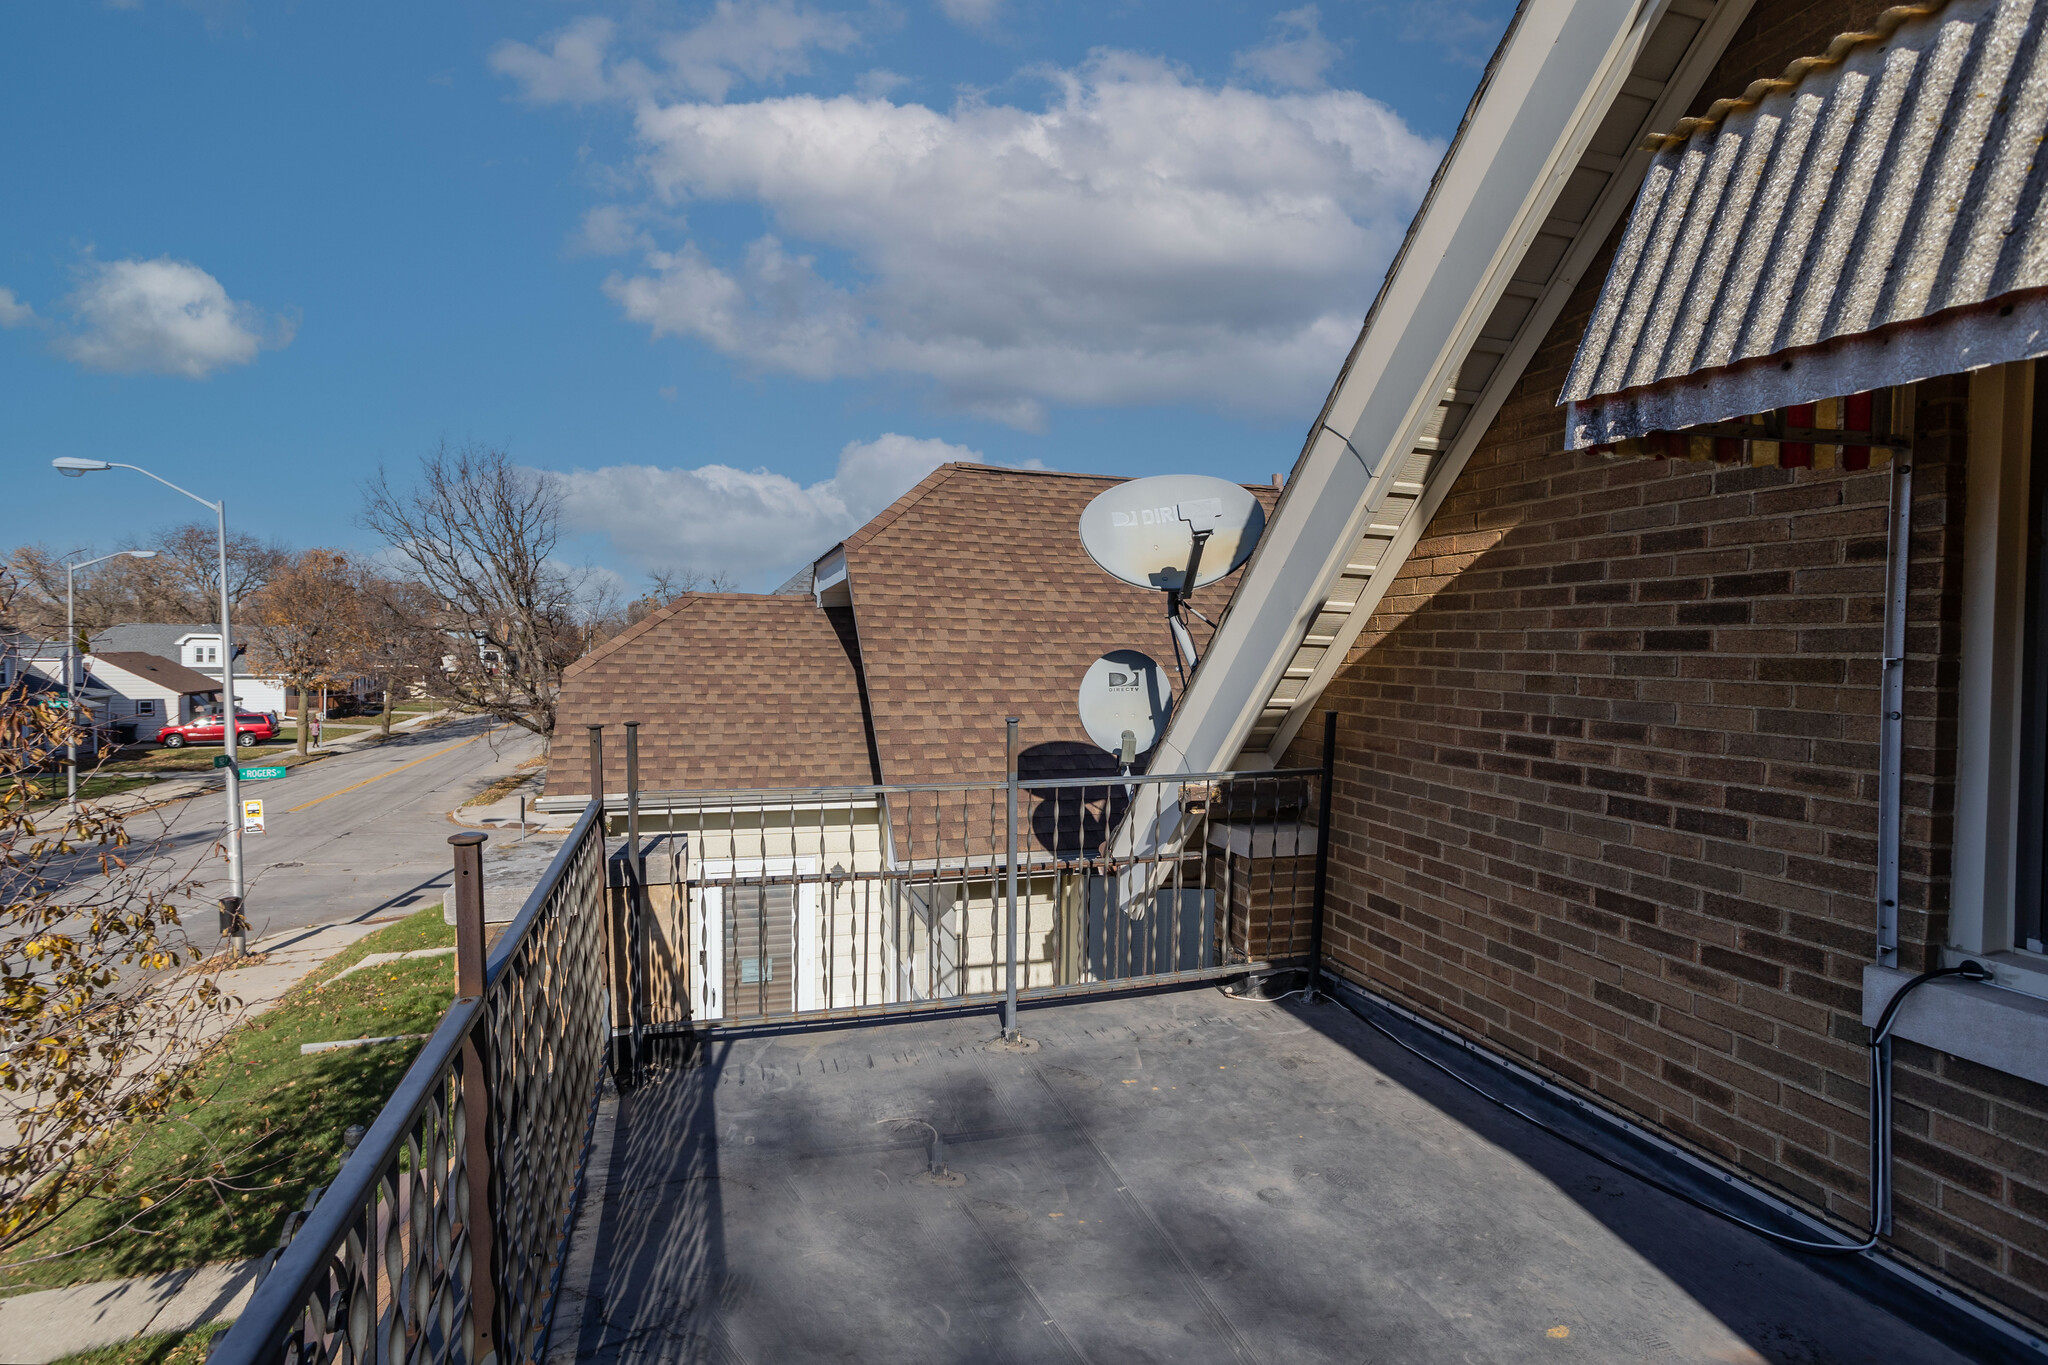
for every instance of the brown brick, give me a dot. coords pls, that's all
(1612, 780)
(1742, 965)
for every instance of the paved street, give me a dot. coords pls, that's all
(348, 838)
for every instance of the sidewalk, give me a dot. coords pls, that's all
(53, 1323)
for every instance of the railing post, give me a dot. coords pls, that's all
(636, 902)
(1010, 1029)
(1315, 924)
(597, 769)
(476, 1096)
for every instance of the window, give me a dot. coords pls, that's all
(213, 654)
(1999, 905)
(146, 707)
(2030, 899)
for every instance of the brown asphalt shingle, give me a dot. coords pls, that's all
(975, 601)
(972, 600)
(161, 671)
(730, 689)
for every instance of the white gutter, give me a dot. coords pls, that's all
(1572, 92)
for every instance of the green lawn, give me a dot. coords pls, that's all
(268, 1128)
(163, 1348)
(50, 787)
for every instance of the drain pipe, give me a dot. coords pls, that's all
(1892, 709)
(1891, 734)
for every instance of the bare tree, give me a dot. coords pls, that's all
(479, 534)
(190, 560)
(308, 625)
(177, 586)
(666, 585)
(397, 641)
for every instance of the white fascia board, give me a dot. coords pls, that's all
(1613, 205)
(828, 573)
(1553, 84)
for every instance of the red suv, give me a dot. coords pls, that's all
(251, 727)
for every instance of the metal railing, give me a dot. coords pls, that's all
(442, 1237)
(750, 907)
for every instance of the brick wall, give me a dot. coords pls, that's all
(1607, 795)
(1268, 902)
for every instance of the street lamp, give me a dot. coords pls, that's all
(71, 680)
(232, 919)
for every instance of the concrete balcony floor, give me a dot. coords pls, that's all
(1178, 1177)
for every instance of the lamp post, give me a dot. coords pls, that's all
(71, 680)
(232, 918)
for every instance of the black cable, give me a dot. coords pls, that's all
(1970, 970)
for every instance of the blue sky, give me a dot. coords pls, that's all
(739, 271)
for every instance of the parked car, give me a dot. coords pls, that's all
(251, 727)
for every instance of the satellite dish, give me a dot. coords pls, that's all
(1144, 531)
(1124, 692)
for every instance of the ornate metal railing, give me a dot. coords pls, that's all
(840, 903)
(442, 1237)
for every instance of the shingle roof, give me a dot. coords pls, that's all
(730, 689)
(972, 601)
(161, 638)
(975, 601)
(161, 671)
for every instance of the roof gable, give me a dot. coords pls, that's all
(975, 601)
(1539, 173)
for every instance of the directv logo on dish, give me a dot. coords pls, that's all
(1123, 682)
(1204, 512)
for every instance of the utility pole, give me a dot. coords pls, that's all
(234, 923)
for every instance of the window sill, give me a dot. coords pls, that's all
(2004, 1029)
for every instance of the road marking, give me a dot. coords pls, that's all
(389, 772)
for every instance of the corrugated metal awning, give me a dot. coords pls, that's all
(1871, 218)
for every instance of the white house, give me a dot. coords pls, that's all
(131, 688)
(195, 647)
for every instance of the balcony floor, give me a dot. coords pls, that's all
(1178, 1177)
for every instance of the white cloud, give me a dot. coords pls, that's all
(13, 312)
(1296, 56)
(971, 13)
(571, 71)
(1143, 239)
(610, 230)
(755, 525)
(165, 317)
(740, 41)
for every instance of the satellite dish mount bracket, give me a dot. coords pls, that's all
(1184, 643)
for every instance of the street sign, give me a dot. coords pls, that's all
(223, 761)
(262, 774)
(252, 817)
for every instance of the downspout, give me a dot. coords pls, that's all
(1890, 811)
